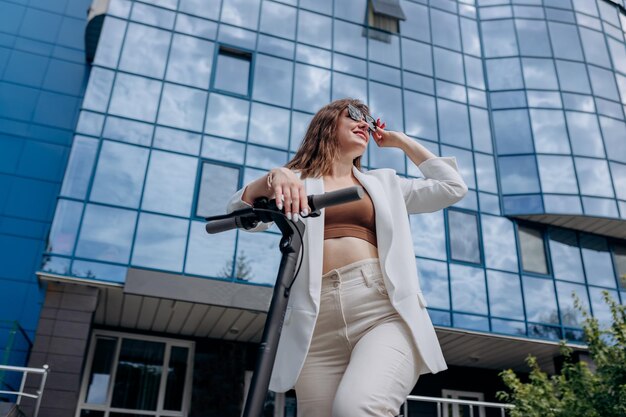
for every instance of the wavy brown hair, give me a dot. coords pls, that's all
(320, 146)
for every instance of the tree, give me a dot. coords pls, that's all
(579, 389)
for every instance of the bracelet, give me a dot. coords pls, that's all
(270, 178)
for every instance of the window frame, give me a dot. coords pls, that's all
(546, 254)
(237, 53)
(196, 196)
(481, 252)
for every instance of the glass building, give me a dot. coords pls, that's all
(187, 100)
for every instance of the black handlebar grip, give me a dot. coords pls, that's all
(344, 195)
(219, 226)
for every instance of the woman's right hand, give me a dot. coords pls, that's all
(289, 192)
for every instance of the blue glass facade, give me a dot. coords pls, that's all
(43, 76)
(188, 100)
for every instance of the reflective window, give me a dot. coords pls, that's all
(205, 8)
(433, 277)
(312, 88)
(504, 74)
(593, 177)
(272, 80)
(210, 255)
(196, 26)
(570, 315)
(190, 61)
(544, 99)
(238, 37)
(135, 97)
(232, 71)
(64, 227)
(98, 240)
(416, 56)
(110, 42)
(79, 167)
(176, 140)
(128, 131)
(562, 204)
(354, 10)
(532, 249)
(449, 65)
(557, 174)
(549, 131)
(349, 39)
(499, 38)
(584, 133)
(428, 232)
(347, 86)
(223, 150)
(539, 73)
(445, 29)
(474, 72)
(463, 229)
(217, 184)
(595, 47)
(98, 90)
(227, 116)
(264, 157)
(512, 131)
(468, 289)
(508, 99)
(258, 257)
(469, 34)
(182, 107)
(505, 295)
(619, 179)
(601, 310)
(160, 242)
(481, 130)
(533, 37)
(317, 31)
(619, 256)
(386, 103)
(603, 83)
(597, 261)
(313, 55)
(278, 19)
(170, 183)
(321, 6)
(565, 41)
(420, 115)
(276, 46)
(244, 13)
(353, 66)
(499, 243)
(573, 77)
(602, 207)
(384, 48)
(89, 123)
(454, 123)
(618, 53)
(269, 125)
(153, 15)
(299, 125)
(145, 50)
(566, 261)
(518, 174)
(119, 174)
(417, 23)
(540, 300)
(486, 172)
(451, 91)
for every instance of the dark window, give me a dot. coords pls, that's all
(463, 230)
(232, 71)
(533, 249)
(217, 184)
(619, 253)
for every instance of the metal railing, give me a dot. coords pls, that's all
(43, 371)
(441, 401)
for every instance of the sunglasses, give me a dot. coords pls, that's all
(357, 115)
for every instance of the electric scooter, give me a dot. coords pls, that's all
(265, 210)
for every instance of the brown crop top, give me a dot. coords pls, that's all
(355, 219)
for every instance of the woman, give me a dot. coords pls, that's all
(356, 334)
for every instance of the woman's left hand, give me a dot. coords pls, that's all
(387, 138)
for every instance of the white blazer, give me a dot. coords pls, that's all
(394, 197)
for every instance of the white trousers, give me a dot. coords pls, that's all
(362, 360)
